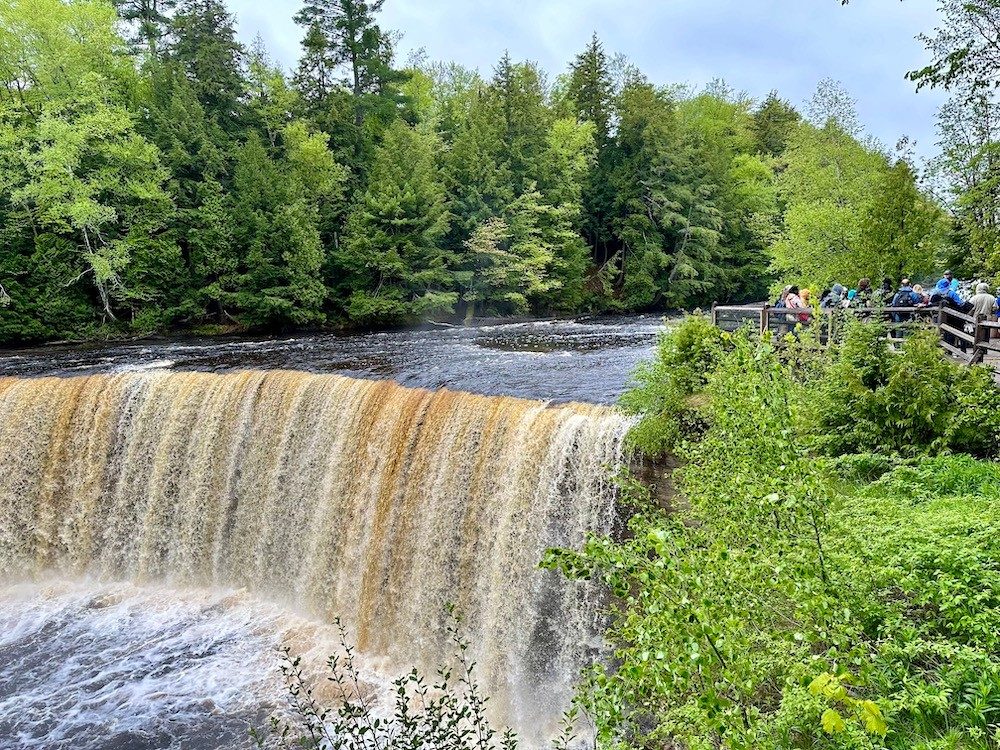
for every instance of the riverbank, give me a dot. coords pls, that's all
(828, 577)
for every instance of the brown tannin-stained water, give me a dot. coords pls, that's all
(163, 531)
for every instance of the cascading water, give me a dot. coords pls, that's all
(328, 495)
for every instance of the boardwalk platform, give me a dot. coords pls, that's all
(963, 337)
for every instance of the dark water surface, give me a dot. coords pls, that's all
(562, 360)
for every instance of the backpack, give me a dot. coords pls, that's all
(902, 299)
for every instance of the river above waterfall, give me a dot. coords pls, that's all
(585, 359)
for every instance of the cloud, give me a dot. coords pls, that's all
(755, 45)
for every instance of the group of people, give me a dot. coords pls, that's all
(948, 291)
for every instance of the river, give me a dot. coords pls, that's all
(563, 360)
(169, 522)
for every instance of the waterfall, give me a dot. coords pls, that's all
(338, 497)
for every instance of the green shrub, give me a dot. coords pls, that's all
(830, 577)
(911, 402)
(663, 388)
(447, 713)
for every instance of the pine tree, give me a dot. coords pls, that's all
(196, 153)
(591, 90)
(345, 49)
(148, 21)
(203, 42)
(279, 279)
(316, 74)
(392, 259)
(516, 99)
(773, 122)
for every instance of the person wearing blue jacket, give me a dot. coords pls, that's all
(944, 293)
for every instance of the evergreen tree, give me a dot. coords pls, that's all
(147, 20)
(718, 128)
(591, 90)
(203, 42)
(516, 99)
(346, 51)
(667, 222)
(316, 74)
(280, 270)
(196, 153)
(773, 123)
(392, 259)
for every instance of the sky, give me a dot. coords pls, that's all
(754, 45)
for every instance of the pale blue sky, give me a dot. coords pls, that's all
(755, 45)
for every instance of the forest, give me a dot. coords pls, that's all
(158, 175)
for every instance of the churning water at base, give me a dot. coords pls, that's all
(315, 493)
(94, 666)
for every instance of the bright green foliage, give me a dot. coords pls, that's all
(392, 259)
(603, 191)
(664, 388)
(786, 600)
(869, 400)
(970, 168)
(851, 214)
(88, 178)
(501, 274)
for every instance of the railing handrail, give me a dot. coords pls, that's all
(969, 346)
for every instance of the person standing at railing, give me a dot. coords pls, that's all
(888, 291)
(794, 302)
(864, 295)
(904, 297)
(995, 332)
(984, 304)
(834, 297)
(945, 295)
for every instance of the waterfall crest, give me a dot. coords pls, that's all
(355, 498)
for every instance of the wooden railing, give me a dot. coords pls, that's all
(965, 337)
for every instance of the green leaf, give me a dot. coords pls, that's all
(832, 721)
(872, 717)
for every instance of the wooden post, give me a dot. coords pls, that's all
(715, 316)
(978, 350)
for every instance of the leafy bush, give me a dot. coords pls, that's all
(803, 595)
(664, 387)
(916, 401)
(447, 714)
